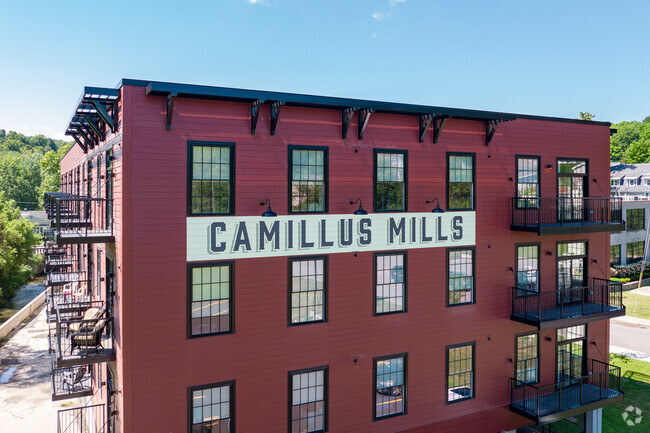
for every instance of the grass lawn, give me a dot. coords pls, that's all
(642, 307)
(635, 380)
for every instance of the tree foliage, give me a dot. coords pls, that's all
(585, 115)
(16, 255)
(51, 171)
(631, 144)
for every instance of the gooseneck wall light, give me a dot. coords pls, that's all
(361, 210)
(269, 212)
(437, 209)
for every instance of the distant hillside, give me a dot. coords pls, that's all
(29, 166)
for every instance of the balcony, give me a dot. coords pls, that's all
(71, 382)
(577, 395)
(601, 299)
(63, 277)
(58, 262)
(83, 419)
(83, 334)
(555, 216)
(80, 220)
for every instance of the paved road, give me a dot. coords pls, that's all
(631, 337)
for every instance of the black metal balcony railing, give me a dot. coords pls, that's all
(83, 334)
(567, 215)
(83, 419)
(80, 219)
(63, 277)
(71, 382)
(600, 387)
(600, 299)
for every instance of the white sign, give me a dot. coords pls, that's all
(241, 237)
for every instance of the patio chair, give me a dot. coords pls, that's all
(86, 321)
(89, 338)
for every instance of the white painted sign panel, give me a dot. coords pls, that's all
(241, 237)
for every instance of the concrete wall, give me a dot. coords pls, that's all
(24, 313)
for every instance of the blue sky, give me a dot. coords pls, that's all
(552, 58)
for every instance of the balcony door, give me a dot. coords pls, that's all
(571, 185)
(571, 271)
(571, 354)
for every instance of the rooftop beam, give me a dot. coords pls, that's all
(101, 112)
(438, 123)
(346, 120)
(255, 114)
(169, 104)
(423, 122)
(91, 123)
(275, 114)
(364, 117)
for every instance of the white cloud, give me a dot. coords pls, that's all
(373, 36)
(258, 2)
(396, 2)
(377, 15)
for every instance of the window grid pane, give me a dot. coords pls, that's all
(461, 276)
(460, 379)
(390, 387)
(527, 358)
(461, 182)
(211, 187)
(308, 402)
(615, 255)
(307, 291)
(390, 288)
(211, 410)
(634, 251)
(527, 268)
(390, 185)
(635, 219)
(527, 182)
(308, 181)
(211, 294)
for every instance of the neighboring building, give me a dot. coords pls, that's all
(628, 246)
(631, 182)
(214, 270)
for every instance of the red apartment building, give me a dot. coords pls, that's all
(235, 260)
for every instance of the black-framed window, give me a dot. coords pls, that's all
(460, 372)
(211, 408)
(527, 271)
(210, 293)
(635, 219)
(390, 282)
(615, 255)
(211, 175)
(527, 181)
(390, 386)
(634, 251)
(308, 400)
(460, 276)
(390, 180)
(308, 286)
(308, 179)
(460, 181)
(527, 358)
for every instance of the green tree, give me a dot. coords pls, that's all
(585, 115)
(20, 176)
(16, 255)
(627, 133)
(51, 172)
(638, 152)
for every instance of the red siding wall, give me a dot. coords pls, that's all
(161, 362)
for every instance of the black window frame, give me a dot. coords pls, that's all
(448, 250)
(516, 361)
(526, 201)
(378, 254)
(404, 385)
(374, 179)
(325, 370)
(325, 150)
(473, 155)
(291, 261)
(190, 155)
(190, 406)
(633, 220)
(231, 299)
(618, 256)
(473, 380)
(539, 263)
(627, 252)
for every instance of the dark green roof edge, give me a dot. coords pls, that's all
(328, 102)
